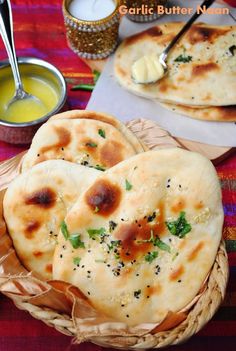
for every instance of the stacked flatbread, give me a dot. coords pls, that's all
(201, 81)
(138, 239)
(38, 200)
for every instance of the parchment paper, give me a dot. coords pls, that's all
(109, 97)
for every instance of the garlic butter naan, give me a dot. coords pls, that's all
(149, 230)
(201, 67)
(36, 203)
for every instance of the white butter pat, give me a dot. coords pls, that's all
(147, 70)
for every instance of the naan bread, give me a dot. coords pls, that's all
(208, 79)
(103, 117)
(131, 268)
(36, 203)
(216, 113)
(85, 141)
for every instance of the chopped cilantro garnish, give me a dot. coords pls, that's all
(180, 227)
(76, 242)
(102, 133)
(159, 243)
(64, 230)
(91, 144)
(151, 256)
(94, 233)
(76, 260)
(175, 255)
(128, 186)
(100, 168)
(183, 58)
(156, 241)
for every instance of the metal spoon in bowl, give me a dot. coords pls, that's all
(151, 68)
(6, 31)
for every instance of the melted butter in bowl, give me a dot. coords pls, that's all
(21, 119)
(29, 109)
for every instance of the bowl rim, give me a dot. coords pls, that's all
(62, 84)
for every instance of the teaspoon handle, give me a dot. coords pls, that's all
(206, 3)
(6, 31)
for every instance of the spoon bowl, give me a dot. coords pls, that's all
(6, 31)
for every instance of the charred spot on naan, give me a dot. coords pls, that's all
(199, 34)
(151, 32)
(228, 112)
(178, 205)
(111, 153)
(32, 227)
(195, 251)
(38, 254)
(135, 236)
(64, 139)
(177, 273)
(48, 268)
(198, 71)
(199, 205)
(153, 290)
(103, 197)
(44, 198)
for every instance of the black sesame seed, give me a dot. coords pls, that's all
(74, 269)
(148, 286)
(168, 186)
(38, 155)
(122, 219)
(61, 255)
(88, 293)
(122, 305)
(148, 297)
(64, 247)
(137, 275)
(82, 266)
(51, 232)
(89, 272)
(179, 281)
(62, 148)
(127, 316)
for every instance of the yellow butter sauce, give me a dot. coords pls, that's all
(29, 109)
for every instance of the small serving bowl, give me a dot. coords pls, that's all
(22, 133)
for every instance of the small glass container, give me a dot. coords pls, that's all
(92, 39)
(144, 5)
